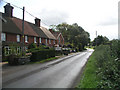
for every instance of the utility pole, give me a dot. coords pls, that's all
(96, 34)
(23, 32)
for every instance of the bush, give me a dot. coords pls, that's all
(40, 54)
(32, 45)
(57, 53)
(108, 63)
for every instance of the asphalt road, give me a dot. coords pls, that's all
(61, 73)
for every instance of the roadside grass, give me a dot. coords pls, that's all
(45, 60)
(89, 78)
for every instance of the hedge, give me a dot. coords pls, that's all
(40, 54)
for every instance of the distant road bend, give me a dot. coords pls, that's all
(61, 73)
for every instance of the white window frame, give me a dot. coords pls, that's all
(18, 50)
(18, 38)
(54, 41)
(49, 41)
(3, 36)
(7, 50)
(35, 40)
(46, 41)
(26, 39)
(40, 40)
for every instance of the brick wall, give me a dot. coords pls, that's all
(11, 37)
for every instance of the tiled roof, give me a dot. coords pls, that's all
(56, 34)
(47, 32)
(28, 30)
(38, 30)
(9, 27)
(14, 25)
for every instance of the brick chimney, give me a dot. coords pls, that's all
(8, 10)
(51, 30)
(37, 22)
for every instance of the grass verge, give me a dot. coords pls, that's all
(89, 79)
(45, 60)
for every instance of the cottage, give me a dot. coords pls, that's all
(33, 33)
(59, 37)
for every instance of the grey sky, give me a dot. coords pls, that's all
(92, 15)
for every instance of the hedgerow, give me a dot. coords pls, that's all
(108, 64)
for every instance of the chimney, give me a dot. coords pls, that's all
(37, 22)
(8, 10)
(51, 30)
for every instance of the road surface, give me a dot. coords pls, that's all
(61, 73)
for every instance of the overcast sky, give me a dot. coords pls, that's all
(92, 15)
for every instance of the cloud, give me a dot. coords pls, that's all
(110, 21)
(53, 17)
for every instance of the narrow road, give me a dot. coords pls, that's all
(60, 73)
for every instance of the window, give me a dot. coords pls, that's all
(46, 41)
(3, 36)
(40, 40)
(54, 41)
(59, 39)
(18, 38)
(49, 41)
(26, 38)
(7, 50)
(35, 40)
(18, 50)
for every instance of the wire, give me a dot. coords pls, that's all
(25, 11)
(30, 14)
(12, 5)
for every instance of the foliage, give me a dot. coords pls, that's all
(103, 68)
(108, 63)
(80, 47)
(74, 34)
(32, 45)
(100, 40)
(40, 54)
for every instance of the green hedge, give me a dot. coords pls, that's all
(40, 54)
(108, 64)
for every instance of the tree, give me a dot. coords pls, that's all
(74, 34)
(100, 40)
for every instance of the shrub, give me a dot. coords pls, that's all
(32, 45)
(57, 53)
(40, 54)
(108, 63)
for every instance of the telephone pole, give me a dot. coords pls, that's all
(23, 31)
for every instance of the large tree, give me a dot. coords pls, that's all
(74, 34)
